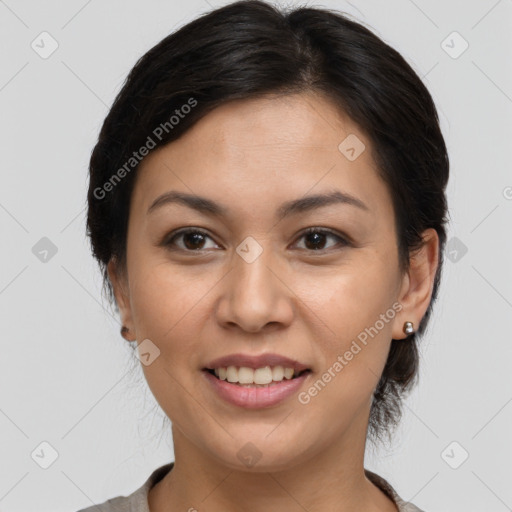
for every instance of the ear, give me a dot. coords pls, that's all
(119, 282)
(417, 284)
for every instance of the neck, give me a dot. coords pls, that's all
(332, 479)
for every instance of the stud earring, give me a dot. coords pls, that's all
(408, 328)
(124, 332)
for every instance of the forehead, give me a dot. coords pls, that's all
(276, 147)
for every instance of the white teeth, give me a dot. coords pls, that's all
(259, 376)
(277, 373)
(232, 374)
(288, 373)
(246, 376)
(262, 375)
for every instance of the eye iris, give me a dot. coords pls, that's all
(198, 238)
(317, 237)
(194, 240)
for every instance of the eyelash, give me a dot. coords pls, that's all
(170, 240)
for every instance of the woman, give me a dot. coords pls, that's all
(267, 205)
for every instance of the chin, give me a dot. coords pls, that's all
(259, 453)
(249, 461)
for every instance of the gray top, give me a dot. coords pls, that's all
(138, 500)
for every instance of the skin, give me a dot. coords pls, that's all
(307, 304)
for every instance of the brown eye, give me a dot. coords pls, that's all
(193, 240)
(315, 239)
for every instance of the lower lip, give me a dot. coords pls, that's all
(255, 398)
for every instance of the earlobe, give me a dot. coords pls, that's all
(119, 285)
(417, 285)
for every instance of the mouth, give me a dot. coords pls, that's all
(255, 381)
(255, 388)
(262, 377)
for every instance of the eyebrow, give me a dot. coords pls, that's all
(304, 204)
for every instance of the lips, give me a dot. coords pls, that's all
(260, 361)
(252, 397)
(246, 370)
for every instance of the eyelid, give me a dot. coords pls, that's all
(344, 240)
(166, 242)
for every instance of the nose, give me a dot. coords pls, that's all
(254, 296)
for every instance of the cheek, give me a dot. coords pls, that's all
(154, 302)
(166, 302)
(169, 309)
(358, 313)
(355, 304)
(352, 296)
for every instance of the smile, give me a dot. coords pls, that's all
(255, 377)
(247, 389)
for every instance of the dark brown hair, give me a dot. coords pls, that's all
(249, 49)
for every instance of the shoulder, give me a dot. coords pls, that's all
(386, 488)
(137, 501)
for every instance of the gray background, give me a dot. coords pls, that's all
(64, 369)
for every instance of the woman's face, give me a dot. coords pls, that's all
(252, 283)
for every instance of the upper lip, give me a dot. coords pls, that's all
(259, 361)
